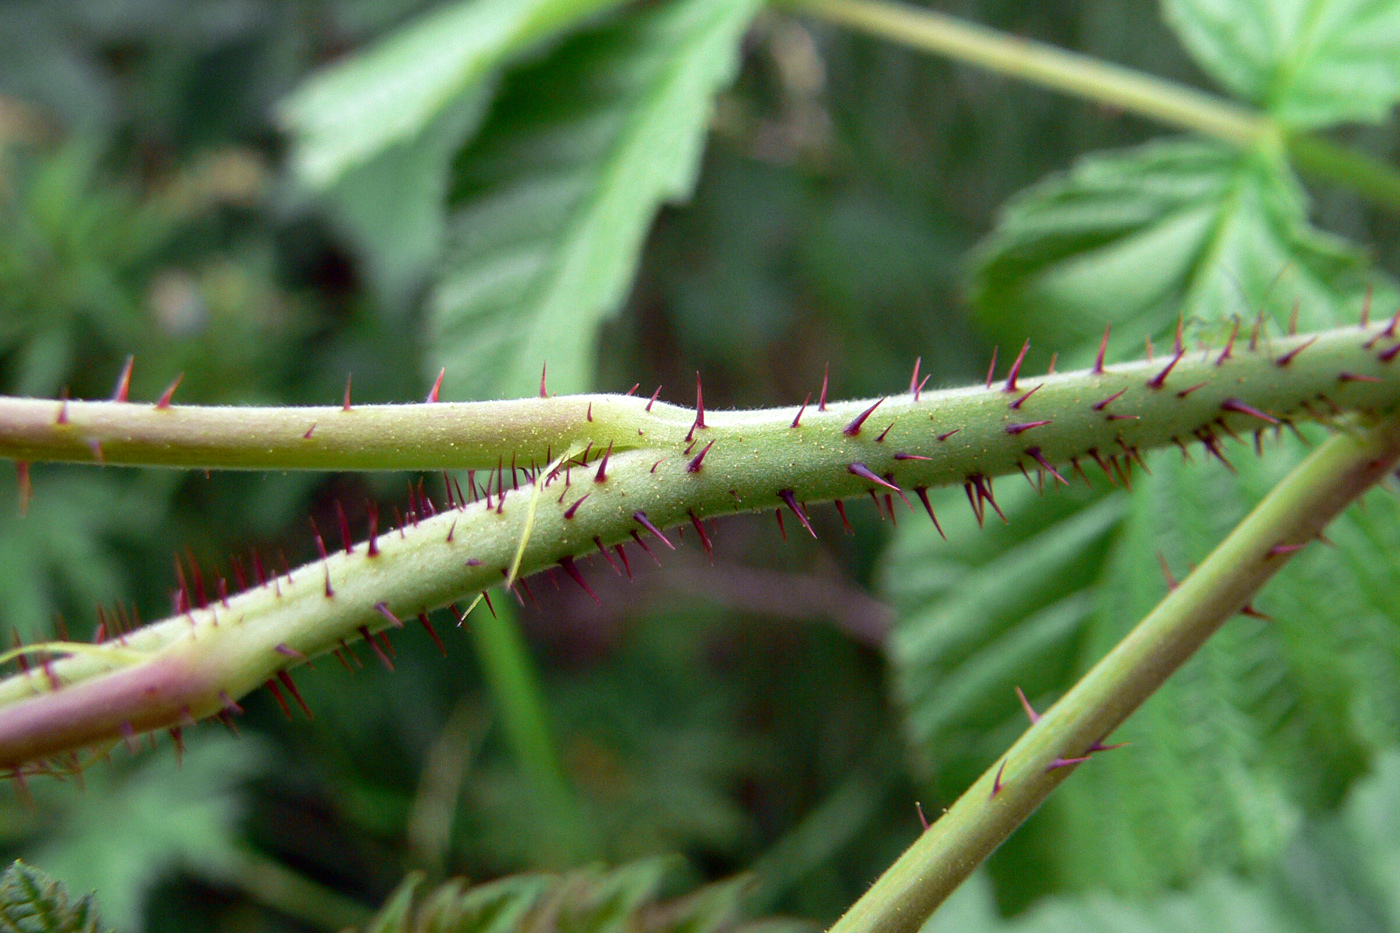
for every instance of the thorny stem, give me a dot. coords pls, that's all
(1294, 513)
(1112, 85)
(199, 662)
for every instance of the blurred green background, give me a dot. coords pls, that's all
(182, 181)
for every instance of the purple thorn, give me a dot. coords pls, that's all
(1159, 380)
(1103, 348)
(947, 434)
(1035, 454)
(864, 472)
(914, 385)
(704, 538)
(1016, 368)
(641, 519)
(1187, 391)
(826, 377)
(568, 564)
(569, 512)
(1022, 399)
(1235, 405)
(694, 466)
(602, 475)
(1281, 549)
(922, 493)
(791, 500)
(1356, 377)
(383, 610)
(996, 781)
(852, 429)
(1100, 406)
(841, 510)
(1031, 714)
(1024, 426)
(881, 438)
(1288, 357)
(992, 368)
(1230, 345)
(1065, 763)
(903, 456)
(798, 418)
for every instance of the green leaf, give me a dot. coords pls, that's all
(128, 831)
(986, 611)
(1307, 62)
(1175, 227)
(620, 900)
(64, 552)
(32, 902)
(389, 93)
(559, 190)
(1341, 874)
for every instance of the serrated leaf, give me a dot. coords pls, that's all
(559, 190)
(32, 902)
(987, 611)
(1341, 874)
(1177, 227)
(1307, 62)
(621, 900)
(127, 832)
(389, 93)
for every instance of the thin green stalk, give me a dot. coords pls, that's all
(1293, 514)
(515, 686)
(1112, 85)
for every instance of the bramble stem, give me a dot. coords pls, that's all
(1111, 85)
(199, 662)
(1294, 513)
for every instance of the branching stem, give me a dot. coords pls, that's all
(662, 468)
(1294, 513)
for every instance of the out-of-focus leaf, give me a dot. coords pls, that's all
(393, 205)
(1341, 874)
(391, 92)
(989, 610)
(1308, 62)
(131, 830)
(560, 189)
(61, 554)
(620, 900)
(1178, 227)
(32, 902)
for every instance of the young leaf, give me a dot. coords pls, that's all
(387, 94)
(1308, 63)
(1176, 227)
(561, 187)
(32, 902)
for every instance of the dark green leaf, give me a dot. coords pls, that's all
(32, 902)
(1307, 62)
(559, 191)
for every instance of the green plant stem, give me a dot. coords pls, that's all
(515, 685)
(1111, 85)
(198, 663)
(1293, 514)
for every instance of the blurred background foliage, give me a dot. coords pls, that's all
(270, 196)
